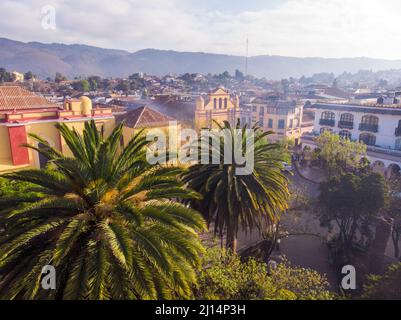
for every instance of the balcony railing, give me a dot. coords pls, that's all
(346, 125)
(398, 132)
(327, 122)
(369, 127)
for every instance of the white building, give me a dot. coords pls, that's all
(377, 126)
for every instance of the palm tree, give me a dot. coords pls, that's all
(104, 219)
(232, 201)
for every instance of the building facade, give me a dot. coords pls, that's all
(219, 106)
(23, 113)
(376, 126)
(379, 127)
(281, 117)
(284, 118)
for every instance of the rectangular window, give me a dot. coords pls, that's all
(270, 124)
(281, 124)
(262, 111)
(261, 122)
(254, 109)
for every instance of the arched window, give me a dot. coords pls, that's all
(214, 103)
(347, 117)
(369, 123)
(327, 119)
(371, 120)
(327, 115)
(398, 144)
(225, 103)
(346, 121)
(368, 138)
(220, 103)
(345, 134)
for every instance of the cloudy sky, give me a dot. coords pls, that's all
(325, 28)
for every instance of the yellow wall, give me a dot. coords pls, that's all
(5, 150)
(47, 131)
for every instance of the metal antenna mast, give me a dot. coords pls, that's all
(246, 57)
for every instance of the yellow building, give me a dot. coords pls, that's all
(219, 106)
(147, 119)
(23, 112)
(17, 76)
(281, 117)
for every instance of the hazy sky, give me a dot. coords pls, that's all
(326, 28)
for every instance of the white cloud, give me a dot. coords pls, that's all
(329, 28)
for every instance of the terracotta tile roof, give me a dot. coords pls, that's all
(144, 117)
(17, 98)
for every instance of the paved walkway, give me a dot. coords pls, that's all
(315, 175)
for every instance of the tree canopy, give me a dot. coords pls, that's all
(340, 154)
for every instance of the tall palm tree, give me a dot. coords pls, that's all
(104, 219)
(233, 201)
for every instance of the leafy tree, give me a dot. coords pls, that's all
(340, 154)
(81, 85)
(226, 277)
(394, 211)
(285, 86)
(239, 75)
(385, 287)
(123, 85)
(5, 76)
(105, 220)
(59, 77)
(352, 202)
(94, 83)
(29, 76)
(233, 201)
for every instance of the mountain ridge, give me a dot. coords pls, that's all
(45, 59)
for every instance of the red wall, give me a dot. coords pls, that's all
(17, 136)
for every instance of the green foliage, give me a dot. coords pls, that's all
(94, 82)
(234, 201)
(59, 77)
(340, 154)
(225, 277)
(5, 76)
(81, 85)
(352, 202)
(29, 76)
(106, 220)
(16, 193)
(386, 287)
(12, 188)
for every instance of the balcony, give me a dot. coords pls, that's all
(346, 125)
(398, 132)
(327, 122)
(369, 127)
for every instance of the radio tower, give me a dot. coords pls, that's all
(246, 57)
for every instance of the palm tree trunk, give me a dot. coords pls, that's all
(231, 241)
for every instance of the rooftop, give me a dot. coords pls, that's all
(144, 117)
(17, 98)
(358, 108)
